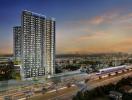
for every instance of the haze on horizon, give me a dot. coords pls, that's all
(82, 26)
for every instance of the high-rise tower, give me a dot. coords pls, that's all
(17, 42)
(37, 45)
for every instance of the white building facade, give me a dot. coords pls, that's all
(37, 45)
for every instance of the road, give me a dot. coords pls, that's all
(64, 93)
(112, 79)
(68, 93)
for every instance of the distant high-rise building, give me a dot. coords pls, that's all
(37, 45)
(17, 42)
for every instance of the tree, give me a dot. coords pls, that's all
(6, 70)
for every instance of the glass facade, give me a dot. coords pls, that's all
(37, 45)
(17, 42)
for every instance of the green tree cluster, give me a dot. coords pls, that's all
(102, 93)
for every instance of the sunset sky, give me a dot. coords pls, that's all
(82, 26)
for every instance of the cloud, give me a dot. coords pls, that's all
(105, 18)
(97, 20)
(93, 35)
(124, 45)
(108, 32)
(115, 17)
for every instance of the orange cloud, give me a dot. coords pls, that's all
(123, 46)
(97, 20)
(109, 32)
(105, 18)
(94, 35)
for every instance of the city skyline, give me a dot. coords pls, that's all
(82, 26)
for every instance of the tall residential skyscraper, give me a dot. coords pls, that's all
(37, 45)
(50, 47)
(17, 42)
